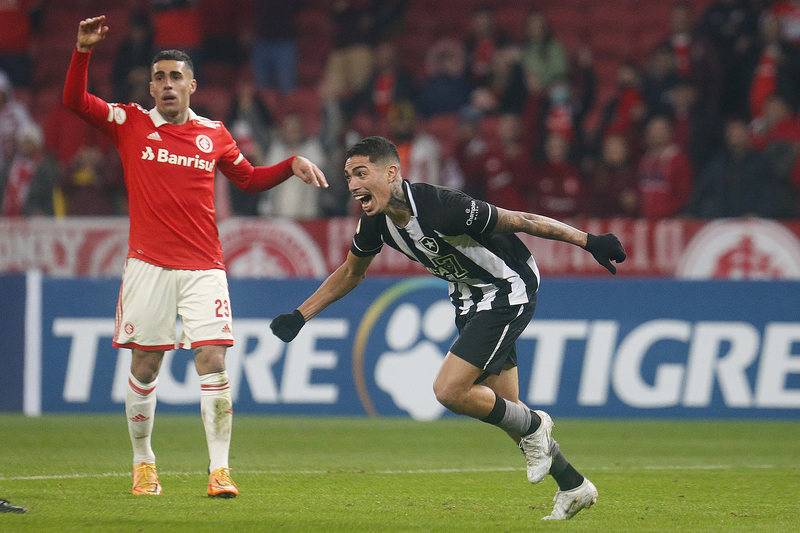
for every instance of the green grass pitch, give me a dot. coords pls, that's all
(357, 474)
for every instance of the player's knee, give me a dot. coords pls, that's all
(209, 359)
(449, 395)
(145, 365)
(144, 374)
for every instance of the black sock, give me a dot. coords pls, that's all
(536, 421)
(564, 473)
(497, 412)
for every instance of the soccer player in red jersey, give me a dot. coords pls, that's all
(174, 265)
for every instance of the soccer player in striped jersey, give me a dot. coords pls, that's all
(493, 281)
(174, 264)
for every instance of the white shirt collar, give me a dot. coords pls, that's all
(410, 197)
(159, 120)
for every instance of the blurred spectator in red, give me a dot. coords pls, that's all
(446, 89)
(788, 14)
(777, 124)
(483, 41)
(694, 126)
(420, 153)
(694, 54)
(561, 110)
(624, 112)
(665, 174)
(19, 20)
(613, 185)
(464, 170)
(508, 167)
(774, 67)
(732, 25)
(556, 189)
(272, 40)
(285, 199)
(13, 116)
(544, 58)
(27, 186)
(660, 76)
(92, 186)
(178, 24)
(389, 84)
(134, 53)
(739, 181)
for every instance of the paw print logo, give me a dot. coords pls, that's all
(407, 371)
(399, 347)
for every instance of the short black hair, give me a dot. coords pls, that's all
(173, 55)
(378, 149)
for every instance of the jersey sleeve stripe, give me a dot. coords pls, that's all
(368, 252)
(492, 211)
(238, 159)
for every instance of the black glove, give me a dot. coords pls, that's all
(606, 248)
(287, 326)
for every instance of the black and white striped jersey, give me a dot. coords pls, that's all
(451, 235)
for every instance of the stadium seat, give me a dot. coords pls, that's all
(611, 45)
(565, 18)
(212, 101)
(315, 22)
(512, 20)
(442, 126)
(305, 101)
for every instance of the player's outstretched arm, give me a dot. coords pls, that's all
(342, 281)
(90, 32)
(259, 179)
(604, 248)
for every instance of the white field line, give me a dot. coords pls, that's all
(389, 472)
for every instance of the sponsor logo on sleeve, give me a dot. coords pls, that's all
(472, 212)
(116, 114)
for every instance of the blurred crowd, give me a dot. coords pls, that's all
(705, 124)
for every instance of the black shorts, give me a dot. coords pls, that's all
(487, 339)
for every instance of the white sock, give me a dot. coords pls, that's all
(140, 409)
(216, 408)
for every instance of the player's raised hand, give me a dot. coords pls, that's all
(606, 248)
(90, 32)
(308, 172)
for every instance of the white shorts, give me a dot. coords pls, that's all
(151, 297)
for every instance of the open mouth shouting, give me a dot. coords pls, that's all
(365, 199)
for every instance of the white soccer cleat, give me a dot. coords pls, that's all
(569, 502)
(538, 447)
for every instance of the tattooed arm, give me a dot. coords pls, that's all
(604, 248)
(538, 226)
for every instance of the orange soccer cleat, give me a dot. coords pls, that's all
(220, 484)
(145, 479)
